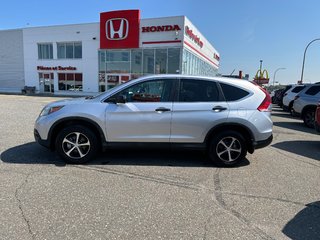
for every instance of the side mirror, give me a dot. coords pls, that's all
(117, 99)
(121, 99)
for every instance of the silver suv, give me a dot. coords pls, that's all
(225, 117)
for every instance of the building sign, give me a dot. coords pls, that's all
(58, 68)
(119, 29)
(216, 57)
(164, 28)
(196, 39)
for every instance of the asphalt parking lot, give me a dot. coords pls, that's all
(151, 195)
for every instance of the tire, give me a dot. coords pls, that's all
(290, 107)
(308, 118)
(76, 144)
(228, 148)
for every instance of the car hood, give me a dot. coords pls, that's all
(69, 101)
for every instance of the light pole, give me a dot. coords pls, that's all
(275, 72)
(304, 57)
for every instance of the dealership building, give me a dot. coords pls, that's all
(94, 57)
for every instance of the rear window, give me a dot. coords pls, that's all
(313, 90)
(298, 89)
(199, 91)
(232, 93)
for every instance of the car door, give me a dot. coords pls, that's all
(146, 114)
(198, 107)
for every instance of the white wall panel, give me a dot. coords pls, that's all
(11, 60)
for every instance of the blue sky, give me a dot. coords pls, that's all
(244, 32)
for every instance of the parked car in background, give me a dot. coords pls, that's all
(225, 117)
(278, 95)
(317, 118)
(288, 97)
(305, 104)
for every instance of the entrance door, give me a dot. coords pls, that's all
(46, 82)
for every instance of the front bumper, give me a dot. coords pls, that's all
(38, 139)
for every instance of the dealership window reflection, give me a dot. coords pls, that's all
(70, 81)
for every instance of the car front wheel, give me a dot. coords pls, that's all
(227, 148)
(76, 144)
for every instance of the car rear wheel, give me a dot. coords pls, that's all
(308, 118)
(76, 144)
(227, 148)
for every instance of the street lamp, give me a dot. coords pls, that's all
(275, 72)
(304, 57)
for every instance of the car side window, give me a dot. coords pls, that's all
(198, 91)
(313, 90)
(298, 89)
(232, 93)
(149, 91)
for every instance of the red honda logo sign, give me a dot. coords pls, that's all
(119, 29)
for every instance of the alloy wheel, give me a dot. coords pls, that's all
(76, 145)
(228, 149)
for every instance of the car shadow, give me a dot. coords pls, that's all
(309, 149)
(306, 224)
(33, 153)
(284, 115)
(297, 126)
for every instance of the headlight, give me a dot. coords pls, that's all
(48, 110)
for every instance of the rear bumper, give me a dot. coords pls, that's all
(263, 143)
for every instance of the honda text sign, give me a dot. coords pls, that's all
(119, 29)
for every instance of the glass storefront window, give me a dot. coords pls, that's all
(118, 67)
(173, 60)
(193, 65)
(136, 61)
(102, 61)
(117, 56)
(148, 61)
(161, 61)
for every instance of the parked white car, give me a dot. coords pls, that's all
(305, 104)
(288, 97)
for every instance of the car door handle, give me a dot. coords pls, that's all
(219, 108)
(162, 109)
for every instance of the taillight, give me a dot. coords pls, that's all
(264, 106)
